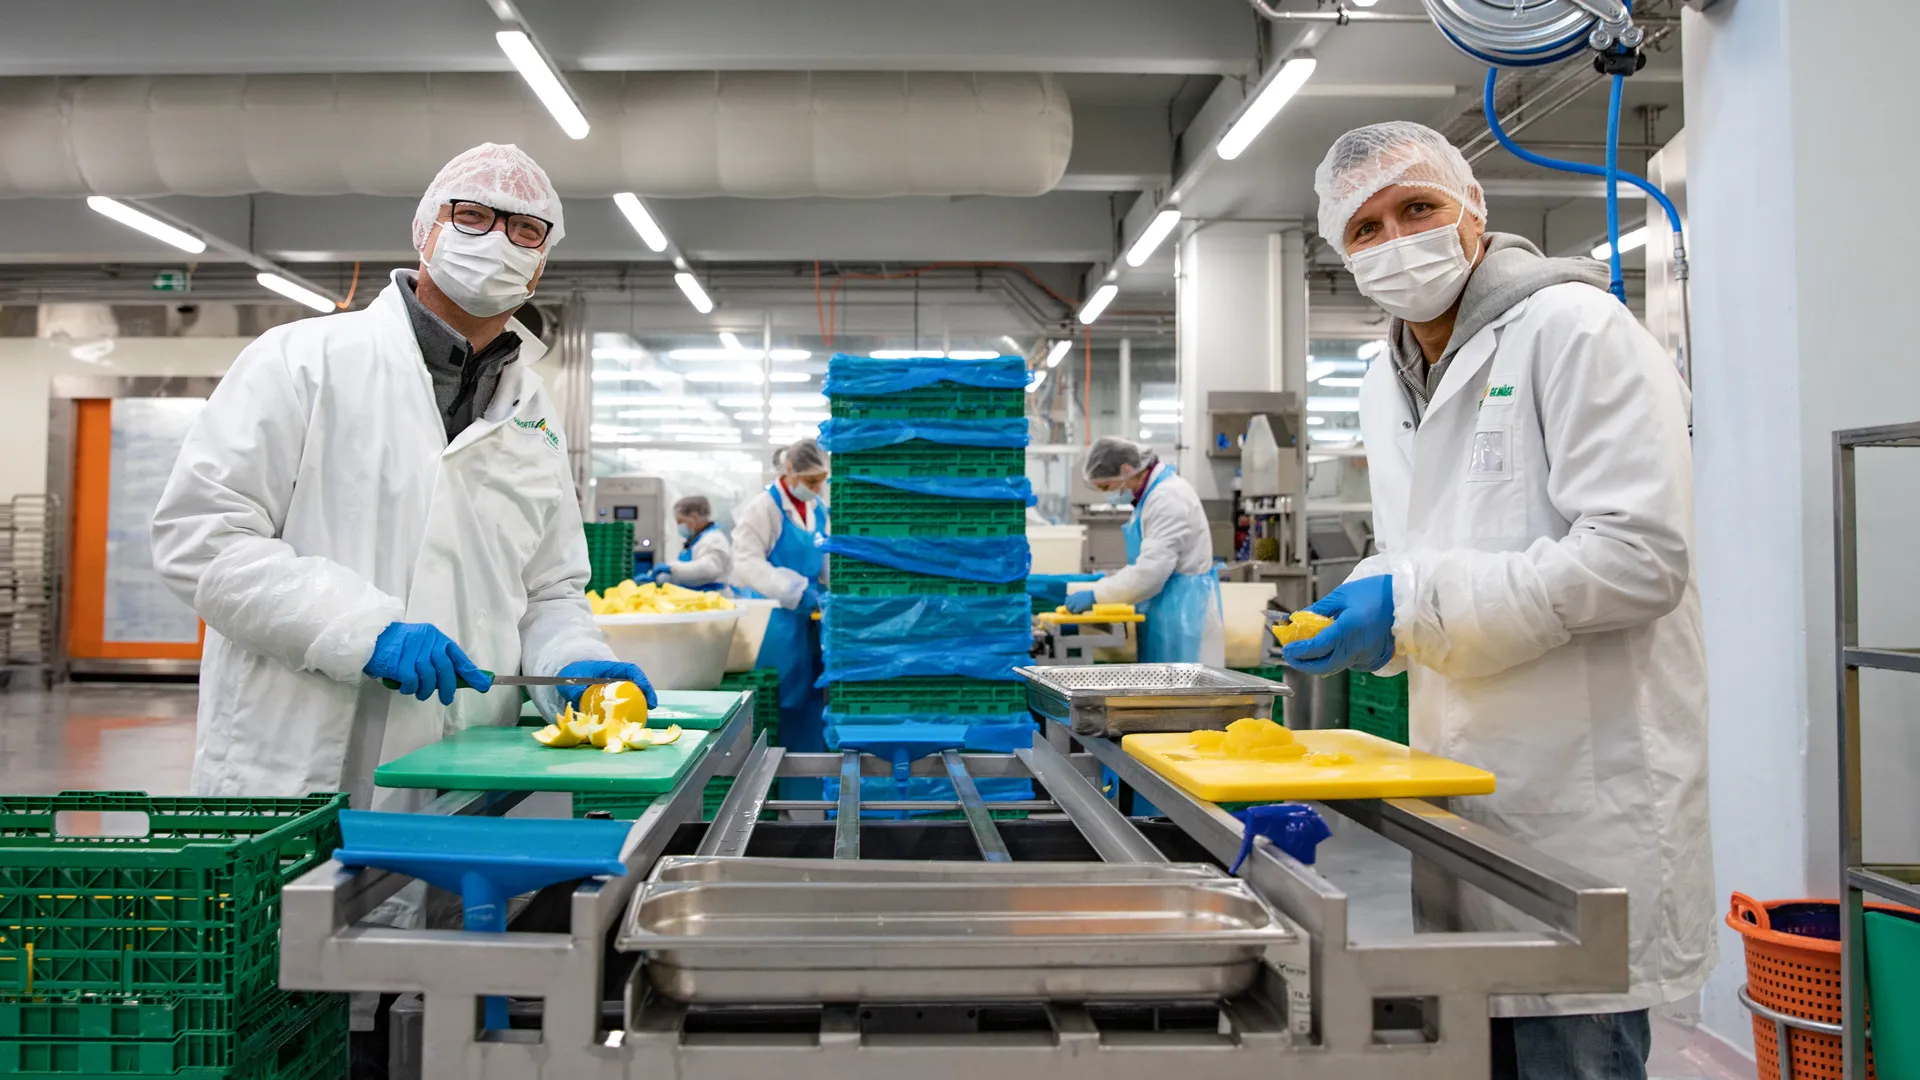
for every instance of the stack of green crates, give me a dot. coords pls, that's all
(609, 553)
(140, 937)
(1378, 705)
(765, 684)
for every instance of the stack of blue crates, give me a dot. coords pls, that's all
(928, 612)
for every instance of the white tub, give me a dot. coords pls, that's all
(749, 632)
(1056, 548)
(683, 651)
(1243, 607)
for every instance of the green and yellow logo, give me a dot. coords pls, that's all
(1505, 391)
(552, 437)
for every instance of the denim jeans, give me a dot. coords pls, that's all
(1600, 1046)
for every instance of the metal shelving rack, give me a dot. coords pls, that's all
(1896, 882)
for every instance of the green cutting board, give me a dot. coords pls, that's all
(507, 759)
(695, 710)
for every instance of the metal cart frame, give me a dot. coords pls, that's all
(1897, 882)
(1329, 1007)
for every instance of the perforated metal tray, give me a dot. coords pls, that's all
(1123, 699)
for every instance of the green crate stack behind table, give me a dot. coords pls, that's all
(609, 553)
(154, 950)
(1378, 705)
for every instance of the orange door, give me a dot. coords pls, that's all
(119, 609)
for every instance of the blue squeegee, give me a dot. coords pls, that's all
(484, 859)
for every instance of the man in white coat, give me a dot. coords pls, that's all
(706, 555)
(383, 494)
(1533, 499)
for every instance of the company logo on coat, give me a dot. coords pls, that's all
(540, 427)
(1494, 393)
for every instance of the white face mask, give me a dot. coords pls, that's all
(485, 275)
(802, 492)
(1415, 277)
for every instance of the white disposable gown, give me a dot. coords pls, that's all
(710, 563)
(1174, 539)
(756, 528)
(315, 501)
(1538, 525)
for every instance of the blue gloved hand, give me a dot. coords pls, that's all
(809, 600)
(662, 573)
(1361, 636)
(605, 669)
(1080, 602)
(423, 660)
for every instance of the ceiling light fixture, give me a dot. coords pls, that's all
(152, 226)
(535, 67)
(905, 354)
(714, 354)
(1629, 241)
(1038, 378)
(1156, 231)
(642, 222)
(973, 354)
(1266, 105)
(790, 377)
(296, 292)
(1058, 352)
(1341, 380)
(696, 295)
(1097, 303)
(732, 341)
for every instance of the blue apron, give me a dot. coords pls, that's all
(792, 644)
(1177, 617)
(686, 555)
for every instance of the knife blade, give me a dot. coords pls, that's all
(530, 680)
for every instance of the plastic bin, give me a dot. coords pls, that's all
(1243, 606)
(1893, 983)
(921, 458)
(946, 694)
(765, 684)
(1057, 549)
(185, 901)
(874, 510)
(150, 1036)
(749, 632)
(940, 401)
(686, 650)
(1793, 968)
(1378, 705)
(609, 553)
(857, 577)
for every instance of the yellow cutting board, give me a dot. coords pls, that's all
(1380, 770)
(1058, 619)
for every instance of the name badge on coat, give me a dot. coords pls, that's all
(1491, 456)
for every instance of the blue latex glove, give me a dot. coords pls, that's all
(809, 600)
(605, 669)
(1361, 636)
(662, 573)
(1080, 602)
(423, 660)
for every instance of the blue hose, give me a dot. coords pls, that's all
(1612, 172)
(1616, 283)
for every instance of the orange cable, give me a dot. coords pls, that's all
(351, 289)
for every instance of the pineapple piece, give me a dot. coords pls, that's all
(1300, 626)
(1206, 740)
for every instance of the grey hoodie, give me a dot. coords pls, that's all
(1512, 270)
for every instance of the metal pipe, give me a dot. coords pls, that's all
(992, 847)
(846, 830)
(1474, 151)
(1340, 16)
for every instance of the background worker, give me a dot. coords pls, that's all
(1169, 573)
(382, 494)
(1533, 490)
(775, 556)
(706, 555)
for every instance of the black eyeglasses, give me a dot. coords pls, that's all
(478, 219)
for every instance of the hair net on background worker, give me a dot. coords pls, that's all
(694, 506)
(805, 457)
(1113, 458)
(500, 175)
(1368, 160)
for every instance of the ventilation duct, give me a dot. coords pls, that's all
(665, 135)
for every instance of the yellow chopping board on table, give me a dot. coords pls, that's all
(1379, 770)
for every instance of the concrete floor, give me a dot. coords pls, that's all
(140, 738)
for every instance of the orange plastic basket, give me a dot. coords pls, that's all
(1793, 968)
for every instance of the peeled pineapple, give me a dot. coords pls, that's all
(1300, 626)
(665, 598)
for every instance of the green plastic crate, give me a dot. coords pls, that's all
(1381, 694)
(857, 577)
(927, 694)
(148, 1037)
(609, 553)
(1391, 726)
(862, 509)
(940, 401)
(319, 1050)
(765, 684)
(921, 458)
(190, 908)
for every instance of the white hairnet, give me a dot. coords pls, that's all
(805, 457)
(1111, 457)
(1368, 160)
(500, 175)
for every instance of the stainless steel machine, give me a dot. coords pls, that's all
(1076, 945)
(641, 500)
(1106, 547)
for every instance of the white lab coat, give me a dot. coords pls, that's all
(756, 527)
(1538, 525)
(712, 560)
(315, 501)
(1174, 539)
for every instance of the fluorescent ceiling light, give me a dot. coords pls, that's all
(1371, 350)
(296, 292)
(973, 354)
(1146, 433)
(1344, 380)
(147, 223)
(1266, 105)
(545, 82)
(1333, 404)
(790, 355)
(695, 429)
(796, 416)
(732, 341)
(716, 440)
(1321, 369)
(1097, 303)
(736, 378)
(642, 222)
(1316, 421)
(800, 401)
(604, 375)
(748, 414)
(1058, 352)
(905, 354)
(1365, 3)
(1629, 241)
(1013, 347)
(1159, 403)
(660, 414)
(1038, 378)
(696, 295)
(714, 354)
(790, 376)
(1156, 231)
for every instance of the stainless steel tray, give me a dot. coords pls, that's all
(1121, 699)
(960, 937)
(684, 869)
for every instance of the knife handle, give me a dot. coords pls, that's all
(459, 683)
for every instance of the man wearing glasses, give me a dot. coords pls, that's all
(384, 495)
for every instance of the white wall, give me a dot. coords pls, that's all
(1798, 122)
(28, 366)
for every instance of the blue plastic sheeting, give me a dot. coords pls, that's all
(863, 376)
(912, 620)
(1009, 488)
(981, 656)
(1053, 587)
(840, 435)
(997, 732)
(928, 788)
(991, 558)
